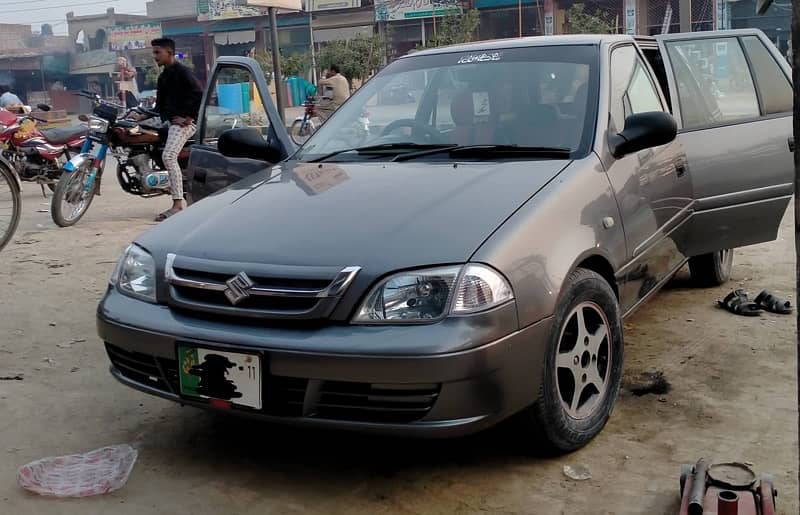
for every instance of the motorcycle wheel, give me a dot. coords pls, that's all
(70, 202)
(10, 205)
(300, 131)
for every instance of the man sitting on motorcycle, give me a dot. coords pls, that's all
(335, 90)
(178, 98)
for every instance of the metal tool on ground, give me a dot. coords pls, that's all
(725, 489)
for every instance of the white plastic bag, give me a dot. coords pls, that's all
(79, 475)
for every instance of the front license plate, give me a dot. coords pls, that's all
(215, 374)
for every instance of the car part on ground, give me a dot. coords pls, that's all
(726, 489)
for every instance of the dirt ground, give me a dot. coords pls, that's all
(734, 397)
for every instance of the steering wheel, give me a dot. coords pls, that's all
(431, 132)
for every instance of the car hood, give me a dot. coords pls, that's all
(380, 216)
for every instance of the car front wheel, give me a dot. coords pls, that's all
(582, 370)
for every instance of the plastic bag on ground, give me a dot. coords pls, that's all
(79, 475)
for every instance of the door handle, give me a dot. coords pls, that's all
(791, 144)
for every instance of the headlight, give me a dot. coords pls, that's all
(98, 125)
(429, 295)
(135, 274)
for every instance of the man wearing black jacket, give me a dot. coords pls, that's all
(178, 100)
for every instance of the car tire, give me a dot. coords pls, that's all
(714, 269)
(557, 422)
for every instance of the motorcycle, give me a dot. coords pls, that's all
(304, 126)
(137, 149)
(37, 155)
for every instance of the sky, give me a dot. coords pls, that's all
(54, 12)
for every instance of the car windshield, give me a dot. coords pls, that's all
(534, 98)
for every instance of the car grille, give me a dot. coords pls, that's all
(254, 291)
(299, 397)
(158, 373)
(365, 402)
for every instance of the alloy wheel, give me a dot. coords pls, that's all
(583, 360)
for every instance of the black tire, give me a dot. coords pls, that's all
(548, 427)
(713, 269)
(300, 131)
(65, 185)
(9, 215)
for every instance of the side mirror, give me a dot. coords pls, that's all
(248, 142)
(642, 131)
(43, 107)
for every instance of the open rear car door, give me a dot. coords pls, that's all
(237, 97)
(732, 97)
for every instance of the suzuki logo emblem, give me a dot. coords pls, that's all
(238, 287)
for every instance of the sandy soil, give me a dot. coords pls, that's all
(734, 397)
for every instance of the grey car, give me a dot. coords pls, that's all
(468, 261)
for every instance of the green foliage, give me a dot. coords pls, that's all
(581, 22)
(292, 64)
(357, 58)
(151, 76)
(453, 29)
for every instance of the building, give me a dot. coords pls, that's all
(93, 63)
(30, 64)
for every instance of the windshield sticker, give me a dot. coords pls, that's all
(483, 57)
(480, 104)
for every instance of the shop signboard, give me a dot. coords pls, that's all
(630, 17)
(326, 5)
(393, 10)
(209, 10)
(548, 18)
(132, 37)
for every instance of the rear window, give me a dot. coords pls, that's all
(773, 85)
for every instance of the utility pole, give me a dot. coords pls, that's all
(761, 8)
(276, 65)
(313, 49)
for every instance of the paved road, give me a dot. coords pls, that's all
(733, 398)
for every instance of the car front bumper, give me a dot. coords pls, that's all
(452, 378)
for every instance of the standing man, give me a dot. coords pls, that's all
(335, 91)
(128, 89)
(178, 98)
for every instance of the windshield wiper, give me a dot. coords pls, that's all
(490, 151)
(421, 147)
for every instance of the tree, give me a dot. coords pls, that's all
(456, 28)
(292, 64)
(581, 22)
(152, 73)
(357, 58)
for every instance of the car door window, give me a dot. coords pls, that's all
(712, 76)
(773, 85)
(632, 90)
(233, 102)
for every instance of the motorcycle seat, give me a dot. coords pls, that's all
(65, 135)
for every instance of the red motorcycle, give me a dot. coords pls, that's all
(38, 155)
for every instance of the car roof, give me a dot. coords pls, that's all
(533, 41)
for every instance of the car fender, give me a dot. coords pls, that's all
(571, 219)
